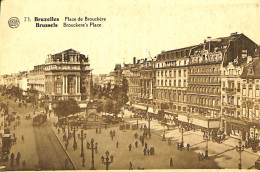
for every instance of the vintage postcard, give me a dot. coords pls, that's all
(129, 85)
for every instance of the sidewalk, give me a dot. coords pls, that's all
(224, 154)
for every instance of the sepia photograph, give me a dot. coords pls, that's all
(129, 85)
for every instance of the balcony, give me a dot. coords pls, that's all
(230, 90)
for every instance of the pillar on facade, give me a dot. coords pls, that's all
(63, 85)
(66, 84)
(76, 90)
(79, 84)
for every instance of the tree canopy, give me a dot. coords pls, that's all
(66, 107)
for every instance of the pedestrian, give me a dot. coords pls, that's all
(151, 151)
(202, 156)
(19, 155)
(130, 166)
(199, 157)
(150, 135)
(12, 159)
(169, 141)
(188, 146)
(130, 147)
(136, 144)
(142, 142)
(17, 160)
(96, 130)
(22, 138)
(171, 163)
(24, 165)
(117, 144)
(88, 145)
(144, 152)
(99, 130)
(145, 145)
(136, 135)
(148, 152)
(66, 145)
(14, 135)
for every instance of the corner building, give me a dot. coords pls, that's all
(67, 75)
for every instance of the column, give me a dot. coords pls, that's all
(66, 84)
(76, 90)
(79, 85)
(63, 85)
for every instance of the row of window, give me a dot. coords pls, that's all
(205, 70)
(202, 79)
(206, 90)
(172, 73)
(204, 101)
(172, 96)
(169, 83)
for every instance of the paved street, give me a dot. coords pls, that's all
(44, 144)
(40, 143)
(49, 150)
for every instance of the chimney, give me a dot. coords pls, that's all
(249, 59)
(134, 60)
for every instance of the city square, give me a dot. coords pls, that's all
(129, 85)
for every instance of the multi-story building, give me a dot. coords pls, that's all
(104, 80)
(231, 96)
(37, 79)
(171, 80)
(141, 81)
(250, 100)
(67, 75)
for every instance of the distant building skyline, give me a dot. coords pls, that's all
(160, 26)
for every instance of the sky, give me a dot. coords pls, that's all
(133, 28)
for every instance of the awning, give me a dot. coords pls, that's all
(83, 105)
(152, 110)
(205, 123)
(139, 107)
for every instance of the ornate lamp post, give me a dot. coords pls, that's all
(240, 149)
(92, 150)
(206, 138)
(82, 137)
(106, 160)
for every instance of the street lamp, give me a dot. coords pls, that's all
(107, 162)
(182, 131)
(189, 119)
(206, 138)
(240, 149)
(164, 139)
(149, 121)
(92, 150)
(82, 137)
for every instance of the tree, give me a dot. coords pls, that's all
(100, 107)
(66, 107)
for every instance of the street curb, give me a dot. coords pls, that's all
(64, 149)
